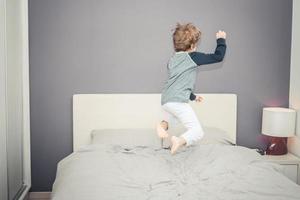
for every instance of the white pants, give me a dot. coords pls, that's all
(186, 115)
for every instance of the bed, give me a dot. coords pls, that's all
(117, 155)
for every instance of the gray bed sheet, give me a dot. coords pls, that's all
(210, 172)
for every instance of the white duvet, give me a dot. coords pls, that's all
(206, 172)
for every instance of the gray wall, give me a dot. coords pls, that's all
(120, 46)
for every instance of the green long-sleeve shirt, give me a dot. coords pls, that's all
(182, 72)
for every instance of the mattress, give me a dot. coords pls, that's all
(203, 171)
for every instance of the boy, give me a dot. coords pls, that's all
(182, 71)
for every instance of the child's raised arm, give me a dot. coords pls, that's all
(202, 58)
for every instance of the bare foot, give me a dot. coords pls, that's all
(177, 142)
(161, 130)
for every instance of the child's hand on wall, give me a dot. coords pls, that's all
(221, 34)
(199, 99)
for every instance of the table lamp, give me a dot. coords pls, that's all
(278, 123)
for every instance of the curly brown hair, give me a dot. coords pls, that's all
(184, 36)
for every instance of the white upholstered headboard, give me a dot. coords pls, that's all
(115, 111)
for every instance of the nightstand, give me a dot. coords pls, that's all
(291, 164)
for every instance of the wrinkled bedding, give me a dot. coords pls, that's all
(210, 172)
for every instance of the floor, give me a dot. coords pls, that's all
(38, 196)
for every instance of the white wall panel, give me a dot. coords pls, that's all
(294, 143)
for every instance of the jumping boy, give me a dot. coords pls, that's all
(178, 89)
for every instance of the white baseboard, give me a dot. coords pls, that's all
(24, 195)
(39, 195)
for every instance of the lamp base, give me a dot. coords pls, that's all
(277, 146)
